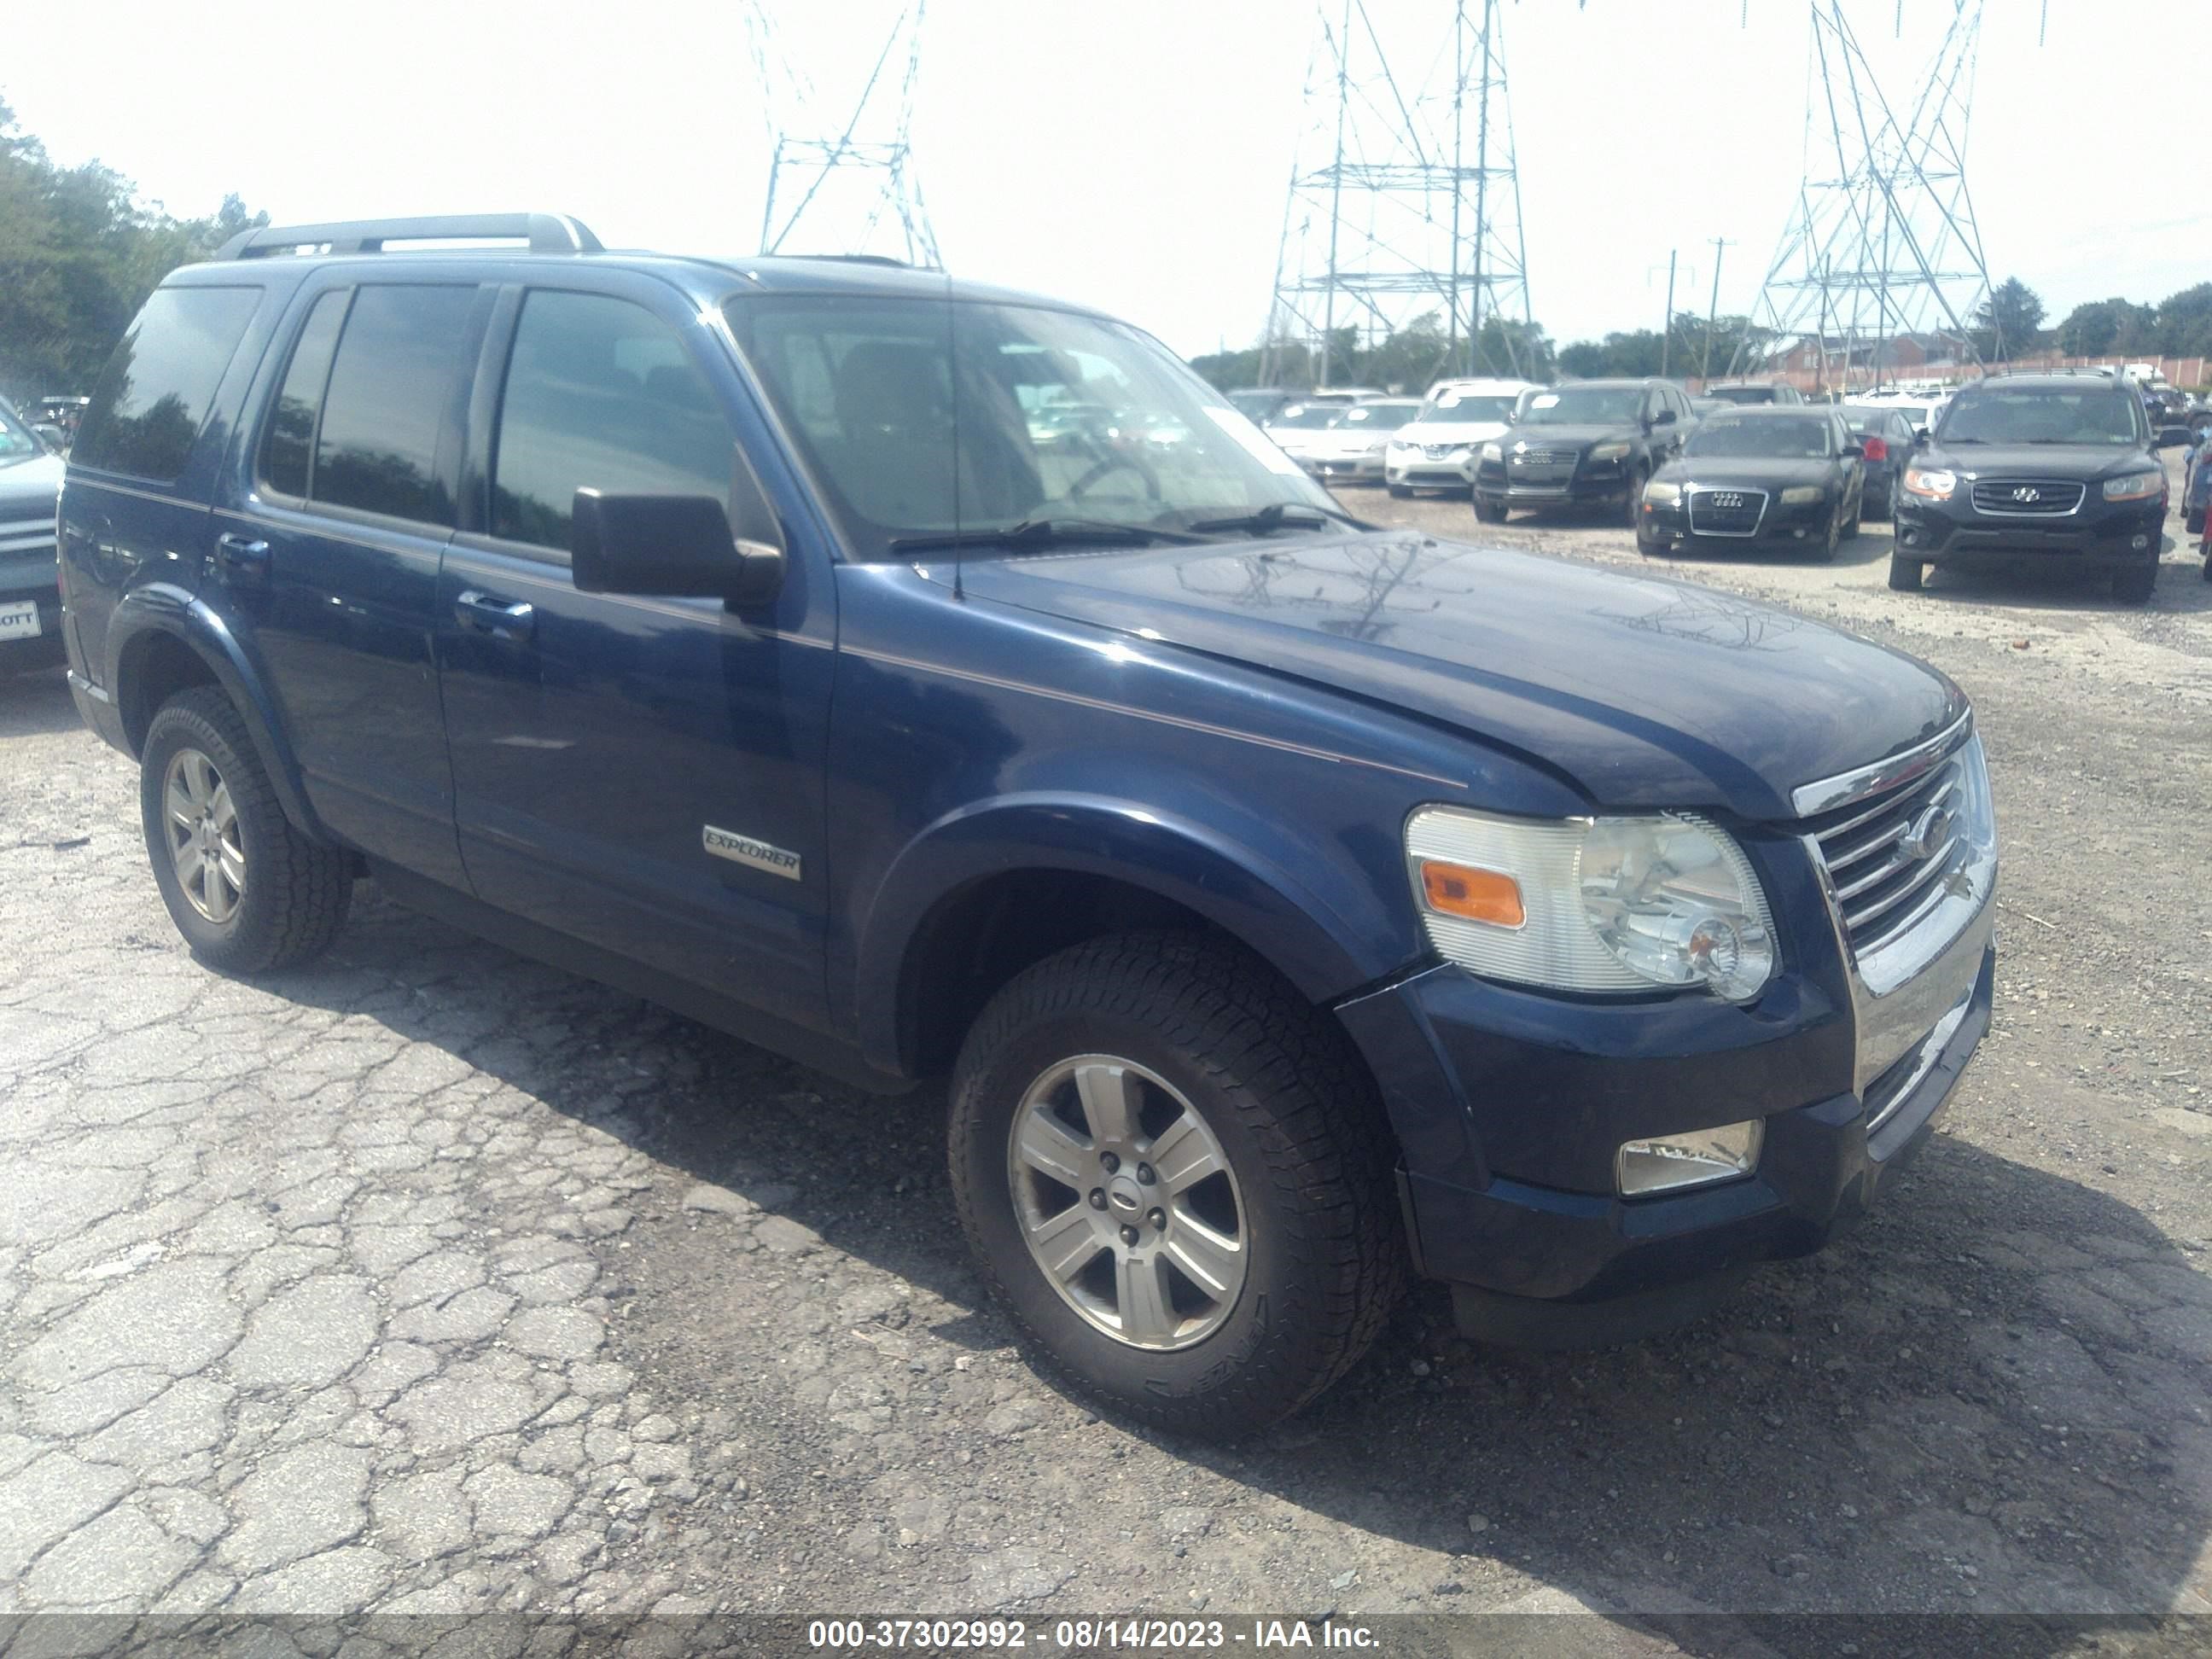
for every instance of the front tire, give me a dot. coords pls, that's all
(1401, 492)
(2133, 585)
(1905, 574)
(1176, 1179)
(247, 890)
(1491, 512)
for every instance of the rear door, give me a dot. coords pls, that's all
(356, 469)
(642, 774)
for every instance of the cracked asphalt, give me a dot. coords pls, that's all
(428, 1279)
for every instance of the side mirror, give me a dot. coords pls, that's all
(1920, 435)
(1665, 416)
(1858, 450)
(52, 436)
(679, 546)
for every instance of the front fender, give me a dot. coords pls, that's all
(165, 610)
(1323, 948)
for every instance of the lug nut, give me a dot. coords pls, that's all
(1109, 1162)
(1145, 1174)
(1098, 1198)
(1159, 1220)
(1129, 1237)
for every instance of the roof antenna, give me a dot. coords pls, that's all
(952, 379)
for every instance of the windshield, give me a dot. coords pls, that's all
(16, 442)
(1744, 394)
(1256, 405)
(2094, 415)
(1309, 418)
(1468, 410)
(922, 417)
(1585, 405)
(1392, 415)
(1765, 437)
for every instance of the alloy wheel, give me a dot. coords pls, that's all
(1127, 1201)
(202, 823)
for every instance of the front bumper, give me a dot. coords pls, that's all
(1592, 484)
(1800, 524)
(44, 648)
(1417, 472)
(1517, 1210)
(1353, 468)
(2126, 533)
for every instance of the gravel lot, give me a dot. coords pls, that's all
(431, 1279)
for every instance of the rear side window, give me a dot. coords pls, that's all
(600, 393)
(289, 448)
(392, 381)
(153, 397)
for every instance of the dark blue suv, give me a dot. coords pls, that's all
(1295, 905)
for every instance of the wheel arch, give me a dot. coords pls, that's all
(986, 892)
(163, 641)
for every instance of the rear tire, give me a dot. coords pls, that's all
(1852, 525)
(1299, 1185)
(2192, 520)
(247, 890)
(1904, 574)
(2133, 585)
(1491, 512)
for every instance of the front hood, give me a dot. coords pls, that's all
(1753, 472)
(1451, 432)
(29, 488)
(1565, 437)
(2071, 462)
(1646, 692)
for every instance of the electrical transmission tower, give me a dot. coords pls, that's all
(848, 186)
(1882, 244)
(1405, 204)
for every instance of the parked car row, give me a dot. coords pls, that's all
(30, 597)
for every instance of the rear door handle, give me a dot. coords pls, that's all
(503, 619)
(241, 559)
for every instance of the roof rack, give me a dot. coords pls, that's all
(545, 232)
(849, 258)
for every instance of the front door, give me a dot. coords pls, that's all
(641, 774)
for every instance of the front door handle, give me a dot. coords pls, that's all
(503, 619)
(241, 560)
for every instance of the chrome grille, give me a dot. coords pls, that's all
(1726, 512)
(1439, 452)
(26, 535)
(2026, 498)
(1545, 457)
(1888, 858)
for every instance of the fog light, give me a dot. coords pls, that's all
(1692, 1159)
(2143, 541)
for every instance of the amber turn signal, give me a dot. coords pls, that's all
(1453, 890)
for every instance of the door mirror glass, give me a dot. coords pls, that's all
(1855, 448)
(52, 436)
(1663, 416)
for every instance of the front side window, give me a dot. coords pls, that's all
(16, 443)
(1993, 416)
(391, 386)
(921, 418)
(154, 395)
(600, 394)
(1583, 405)
(1768, 439)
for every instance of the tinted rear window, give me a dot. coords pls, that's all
(153, 397)
(398, 364)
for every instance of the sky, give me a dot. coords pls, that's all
(1131, 156)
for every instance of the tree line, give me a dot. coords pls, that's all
(79, 254)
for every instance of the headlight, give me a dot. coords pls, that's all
(1933, 482)
(1660, 493)
(1612, 452)
(1601, 905)
(2134, 486)
(1493, 452)
(1398, 449)
(1800, 494)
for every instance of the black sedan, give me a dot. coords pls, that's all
(1886, 434)
(1765, 476)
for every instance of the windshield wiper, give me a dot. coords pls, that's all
(1278, 515)
(1047, 532)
